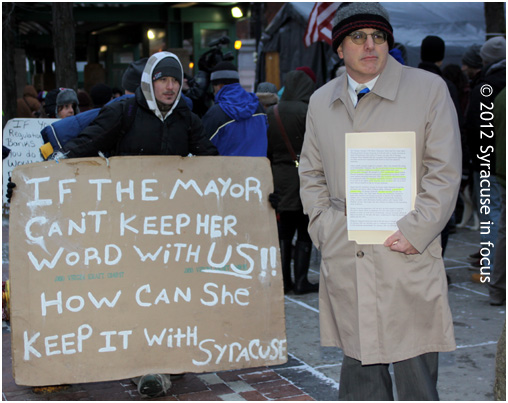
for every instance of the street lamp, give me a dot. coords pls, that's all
(236, 12)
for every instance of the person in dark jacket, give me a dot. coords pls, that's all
(237, 123)
(432, 52)
(292, 109)
(57, 134)
(159, 120)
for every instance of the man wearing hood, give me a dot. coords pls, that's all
(237, 123)
(157, 121)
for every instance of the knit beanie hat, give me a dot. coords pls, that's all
(493, 50)
(101, 94)
(472, 57)
(308, 71)
(131, 78)
(67, 96)
(351, 16)
(224, 73)
(432, 49)
(267, 87)
(168, 67)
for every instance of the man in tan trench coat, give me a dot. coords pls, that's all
(388, 303)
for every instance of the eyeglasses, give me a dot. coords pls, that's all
(360, 37)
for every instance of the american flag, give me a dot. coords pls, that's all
(319, 26)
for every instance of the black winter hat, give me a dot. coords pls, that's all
(131, 78)
(224, 73)
(472, 57)
(101, 94)
(351, 16)
(50, 103)
(432, 49)
(168, 67)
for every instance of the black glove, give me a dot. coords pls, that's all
(10, 189)
(274, 199)
(5, 152)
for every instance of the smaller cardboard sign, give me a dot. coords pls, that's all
(23, 138)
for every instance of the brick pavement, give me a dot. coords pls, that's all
(254, 384)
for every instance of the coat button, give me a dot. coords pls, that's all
(360, 254)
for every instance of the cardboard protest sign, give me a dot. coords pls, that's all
(23, 138)
(137, 265)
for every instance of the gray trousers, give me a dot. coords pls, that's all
(415, 379)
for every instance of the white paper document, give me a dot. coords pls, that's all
(380, 180)
(379, 187)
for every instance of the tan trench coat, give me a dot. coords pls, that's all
(377, 305)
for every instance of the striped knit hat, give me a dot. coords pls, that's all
(224, 73)
(352, 16)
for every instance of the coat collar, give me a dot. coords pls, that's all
(386, 86)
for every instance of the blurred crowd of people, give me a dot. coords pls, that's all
(60, 103)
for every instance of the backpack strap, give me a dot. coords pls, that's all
(285, 136)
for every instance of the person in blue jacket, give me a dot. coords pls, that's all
(237, 123)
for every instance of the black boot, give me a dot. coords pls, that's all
(285, 257)
(302, 261)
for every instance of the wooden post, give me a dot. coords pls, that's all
(494, 19)
(64, 42)
(272, 68)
